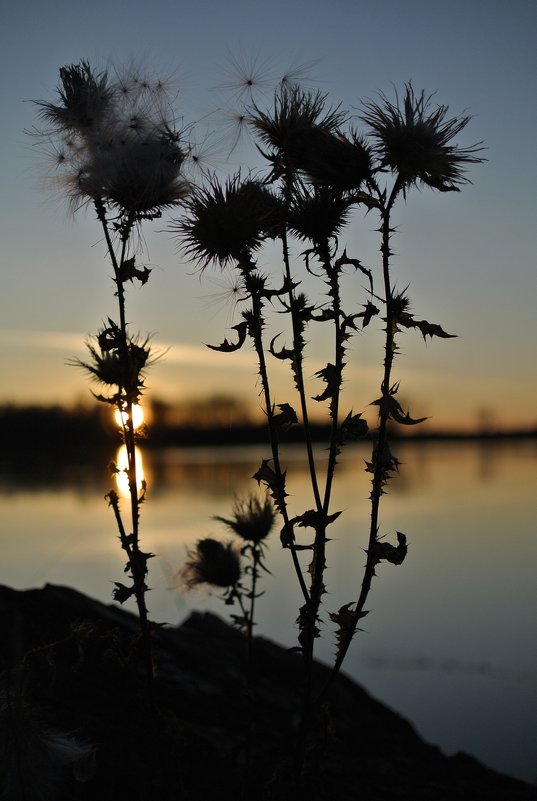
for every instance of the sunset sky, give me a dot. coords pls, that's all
(468, 258)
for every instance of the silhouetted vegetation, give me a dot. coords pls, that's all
(77, 728)
(59, 433)
(119, 152)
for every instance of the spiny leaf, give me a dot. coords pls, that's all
(286, 418)
(113, 400)
(287, 535)
(357, 264)
(139, 560)
(301, 309)
(427, 329)
(241, 622)
(265, 474)
(390, 407)
(353, 427)
(274, 482)
(110, 338)
(128, 271)
(385, 463)
(122, 593)
(391, 553)
(332, 377)
(228, 347)
(314, 519)
(284, 353)
(324, 315)
(288, 286)
(307, 622)
(370, 311)
(405, 419)
(287, 538)
(346, 620)
(348, 321)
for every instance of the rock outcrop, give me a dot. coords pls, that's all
(79, 723)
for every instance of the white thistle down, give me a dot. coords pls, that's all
(114, 142)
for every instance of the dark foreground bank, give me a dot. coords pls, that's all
(75, 723)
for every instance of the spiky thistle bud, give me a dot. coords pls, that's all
(414, 141)
(295, 113)
(118, 365)
(252, 518)
(225, 222)
(318, 213)
(212, 562)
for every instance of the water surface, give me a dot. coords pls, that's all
(450, 639)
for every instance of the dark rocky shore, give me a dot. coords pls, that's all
(76, 723)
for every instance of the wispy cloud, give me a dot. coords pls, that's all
(41, 340)
(199, 355)
(177, 354)
(174, 352)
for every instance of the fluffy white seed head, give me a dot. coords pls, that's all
(115, 142)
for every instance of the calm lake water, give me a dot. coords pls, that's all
(450, 639)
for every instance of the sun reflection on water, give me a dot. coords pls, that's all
(463, 597)
(122, 474)
(122, 458)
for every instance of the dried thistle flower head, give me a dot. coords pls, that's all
(113, 144)
(224, 223)
(295, 112)
(252, 519)
(413, 140)
(116, 365)
(85, 98)
(212, 562)
(318, 214)
(138, 173)
(329, 159)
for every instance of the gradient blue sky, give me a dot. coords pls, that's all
(469, 258)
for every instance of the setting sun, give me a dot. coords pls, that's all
(137, 417)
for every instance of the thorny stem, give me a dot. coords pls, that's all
(299, 375)
(263, 372)
(332, 272)
(380, 444)
(125, 544)
(319, 548)
(129, 544)
(248, 615)
(255, 576)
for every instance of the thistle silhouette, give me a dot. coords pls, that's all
(117, 150)
(320, 171)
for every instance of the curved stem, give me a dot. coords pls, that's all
(319, 560)
(136, 561)
(299, 376)
(333, 274)
(379, 467)
(256, 333)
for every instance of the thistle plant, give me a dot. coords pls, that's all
(115, 149)
(233, 570)
(320, 172)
